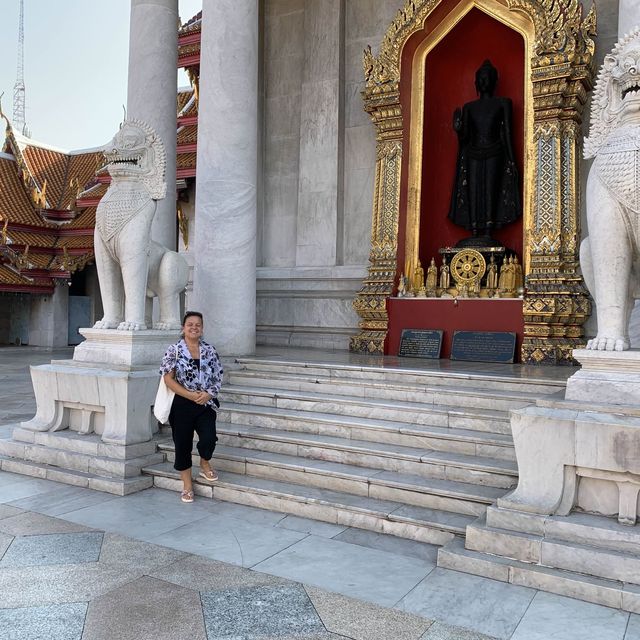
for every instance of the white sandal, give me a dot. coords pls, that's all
(186, 496)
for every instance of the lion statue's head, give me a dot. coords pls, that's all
(136, 151)
(617, 93)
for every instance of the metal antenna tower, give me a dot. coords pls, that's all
(19, 120)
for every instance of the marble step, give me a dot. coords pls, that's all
(445, 495)
(556, 554)
(443, 465)
(424, 373)
(453, 416)
(117, 486)
(583, 528)
(466, 441)
(611, 593)
(73, 452)
(383, 516)
(451, 394)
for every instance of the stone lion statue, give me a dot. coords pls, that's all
(132, 268)
(610, 254)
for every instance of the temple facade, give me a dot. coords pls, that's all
(325, 173)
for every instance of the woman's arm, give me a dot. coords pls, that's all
(178, 389)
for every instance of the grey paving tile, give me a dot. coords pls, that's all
(120, 551)
(205, 574)
(5, 541)
(64, 500)
(57, 548)
(229, 539)
(14, 487)
(349, 569)
(254, 613)
(140, 515)
(246, 513)
(28, 524)
(146, 609)
(633, 628)
(7, 511)
(393, 544)
(314, 527)
(490, 607)
(50, 622)
(442, 631)
(552, 616)
(50, 584)
(363, 620)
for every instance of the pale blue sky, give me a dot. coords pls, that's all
(75, 66)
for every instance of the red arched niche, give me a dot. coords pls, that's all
(450, 82)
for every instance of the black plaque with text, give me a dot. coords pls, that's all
(420, 343)
(484, 346)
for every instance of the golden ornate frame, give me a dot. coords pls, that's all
(559, 73)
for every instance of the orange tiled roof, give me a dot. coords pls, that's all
(15, 203)
(68, 177)
(192, 25)
(188, 134)
(28, 240)
(183, 98)
(64, 174)
(95, 191)
(186, 161)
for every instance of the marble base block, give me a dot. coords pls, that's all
(111, 402)
(128, 348)
(94, 425)
(606, 377)
(569, 458)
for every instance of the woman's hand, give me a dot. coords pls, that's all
(201, 397)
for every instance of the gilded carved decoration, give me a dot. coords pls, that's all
(559, 50)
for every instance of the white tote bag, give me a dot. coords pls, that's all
(162, 404)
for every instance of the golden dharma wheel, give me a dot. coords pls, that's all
(468, 266)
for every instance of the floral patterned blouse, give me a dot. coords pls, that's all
(207, 377)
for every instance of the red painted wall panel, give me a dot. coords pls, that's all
(466, 315)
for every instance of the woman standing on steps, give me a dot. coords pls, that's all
(192, 370)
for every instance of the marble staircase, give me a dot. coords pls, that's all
(82, 460)
(583, 556)
(415, 453)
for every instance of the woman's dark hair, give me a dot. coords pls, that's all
(188, 314)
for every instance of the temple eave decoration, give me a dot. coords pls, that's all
(559, 74)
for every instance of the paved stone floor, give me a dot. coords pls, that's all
(76, 564)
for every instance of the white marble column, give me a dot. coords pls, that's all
(319, 228)
(225, 231)
(152, 90)
(628, 16)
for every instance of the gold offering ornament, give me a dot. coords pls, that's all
(467, 267)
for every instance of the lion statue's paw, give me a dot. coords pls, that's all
(604, 343)
(167, 326)
(105, 324)
(132, 326)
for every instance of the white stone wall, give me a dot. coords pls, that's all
(49, 319)
(318, 168)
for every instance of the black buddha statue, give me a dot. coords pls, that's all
(486, 191)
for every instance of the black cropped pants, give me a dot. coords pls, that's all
(186, 418)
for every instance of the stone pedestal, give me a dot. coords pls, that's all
(572, 518)
(583, 452)
(94, 424)
(606, 377)
(126, 348)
